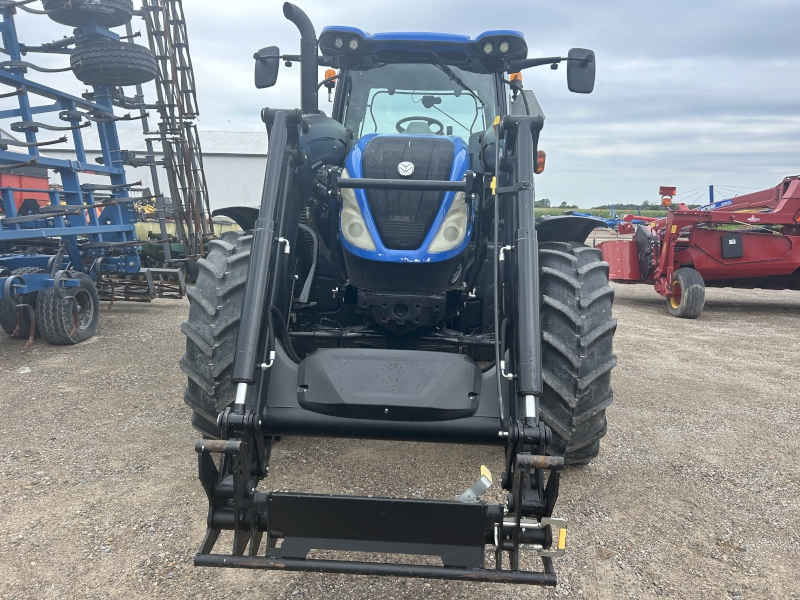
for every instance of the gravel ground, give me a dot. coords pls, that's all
(694, 494)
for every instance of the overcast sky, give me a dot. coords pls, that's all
(688, 93)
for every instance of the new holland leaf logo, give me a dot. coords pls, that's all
(405, 169)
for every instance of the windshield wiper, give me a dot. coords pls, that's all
(454, 77)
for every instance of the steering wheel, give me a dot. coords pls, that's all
(429, 120)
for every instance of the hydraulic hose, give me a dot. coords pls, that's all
(277, 317)
(258, 273)
(526, 321)
(495, 268)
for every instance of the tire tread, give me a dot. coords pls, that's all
(212, 328)
(577, 355)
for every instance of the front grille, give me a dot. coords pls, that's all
(403, 218)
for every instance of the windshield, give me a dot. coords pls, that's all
(418, 98)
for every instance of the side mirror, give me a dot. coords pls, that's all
(581, 70)
(267, 65)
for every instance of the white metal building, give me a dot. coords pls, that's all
(234, 163)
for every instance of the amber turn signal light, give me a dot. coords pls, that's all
(540, 158)
(329, 85)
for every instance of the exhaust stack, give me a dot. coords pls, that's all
(309, 98)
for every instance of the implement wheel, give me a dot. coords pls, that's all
(8, 314)
(106, 62)
(689, 294)
(55, 316)
(213, 326)
(77, 13)
(577, 354)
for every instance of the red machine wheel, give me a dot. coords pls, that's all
(689, 294)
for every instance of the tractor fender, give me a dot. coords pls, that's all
(245, 216)
(566, 228)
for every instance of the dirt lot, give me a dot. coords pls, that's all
(694, 495)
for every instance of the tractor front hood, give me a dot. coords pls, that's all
(404, 223)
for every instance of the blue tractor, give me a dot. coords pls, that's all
(396, 284)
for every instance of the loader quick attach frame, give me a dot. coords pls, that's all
(278, 530)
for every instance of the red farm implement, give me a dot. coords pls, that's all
(751, 241)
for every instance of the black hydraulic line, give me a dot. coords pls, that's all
(285, 336)
(306, 291)
(503, 341)
(22, 126)
(261, 253)
(527, 323)
(309, 95)
(6, 142)
(270, 345)
(279, 263)
(24, 64)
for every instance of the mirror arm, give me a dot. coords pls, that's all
(287, 57)
(526, 63)
(323, 61)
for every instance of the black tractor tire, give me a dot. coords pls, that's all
(77, 13)
(8, 314)
(577, 353)
(691, 288)
(212, 328)
(106, 62)
(55, 317)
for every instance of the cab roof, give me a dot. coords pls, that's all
(338, 41)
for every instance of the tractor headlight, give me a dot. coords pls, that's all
(454, 227)
(504, 46)
(488, 48)
(338, 43)
(353, 44)
(354, 228)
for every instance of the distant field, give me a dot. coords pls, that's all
(606, 214)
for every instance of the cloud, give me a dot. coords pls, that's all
(688, 93)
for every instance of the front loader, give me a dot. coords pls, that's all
(395, 284)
